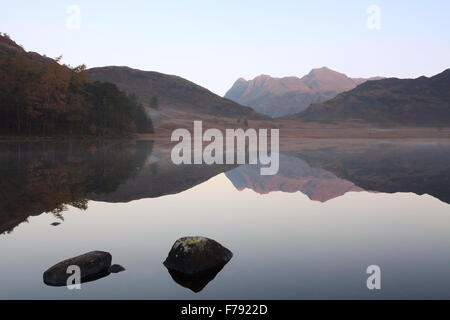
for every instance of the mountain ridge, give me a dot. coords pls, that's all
(176, 96)
(278, 97)
(424, 101)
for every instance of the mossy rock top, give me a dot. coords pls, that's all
(197, 255)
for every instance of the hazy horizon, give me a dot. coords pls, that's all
(214, 44)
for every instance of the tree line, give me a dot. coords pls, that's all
(40, 96)
(43, 176)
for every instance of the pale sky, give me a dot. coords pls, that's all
(213, 43)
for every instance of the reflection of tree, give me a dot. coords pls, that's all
(48, 177)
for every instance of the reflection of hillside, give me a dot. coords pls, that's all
(159, 177)
(294, 175)
(39, 177)
(46, 177)
(421, 168)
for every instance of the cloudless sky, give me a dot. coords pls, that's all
(212, 43)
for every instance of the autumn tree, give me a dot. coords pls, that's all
(40, 96)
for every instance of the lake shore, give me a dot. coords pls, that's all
(289, 130)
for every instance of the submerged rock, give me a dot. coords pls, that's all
(195, 282)
(116, 268)
(93, 265)
(193, 255)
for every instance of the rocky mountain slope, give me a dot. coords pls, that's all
(283, 96)
(415, 102)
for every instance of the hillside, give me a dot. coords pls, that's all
(175, 96)
(283, 96)
(418, 102)
(41, 97)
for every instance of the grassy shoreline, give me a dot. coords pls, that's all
(289, 129)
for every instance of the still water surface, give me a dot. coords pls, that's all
(309, 232)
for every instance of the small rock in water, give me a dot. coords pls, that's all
(55, 224)
(116, 268)
(196, 255)
(93, 265)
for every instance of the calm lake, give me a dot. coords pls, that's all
(311, 231)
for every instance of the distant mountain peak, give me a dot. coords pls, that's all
(322, 69)
(325, 79)
(277, 97)
(262, 78)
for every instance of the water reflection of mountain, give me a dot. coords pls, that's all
(159, 177)
(420, 167)
(39, 177)
(323, 173)
(294, 175)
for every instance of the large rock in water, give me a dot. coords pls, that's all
(194, 255)
(194, 261)
(93, 265)
(195, 282)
